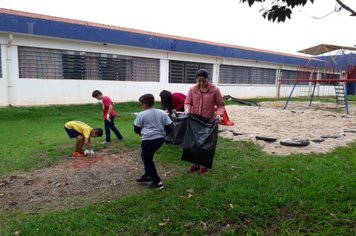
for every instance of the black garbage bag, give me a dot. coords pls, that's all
(200, 140)
(176, 136)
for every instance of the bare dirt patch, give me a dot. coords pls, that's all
(325, 129)
(74, 182)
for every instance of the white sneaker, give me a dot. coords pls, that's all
(105, 142)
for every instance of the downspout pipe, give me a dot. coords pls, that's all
(9, 71)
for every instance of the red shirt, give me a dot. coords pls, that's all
(178, 101)
(106, 103)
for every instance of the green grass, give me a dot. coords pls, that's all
(247, 193)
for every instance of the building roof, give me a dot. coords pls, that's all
(14, 21)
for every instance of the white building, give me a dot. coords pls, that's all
(50, 60)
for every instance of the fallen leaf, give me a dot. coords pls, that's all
(188, 225)
(190, 190)
(28, 182)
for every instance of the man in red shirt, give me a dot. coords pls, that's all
(109, 115)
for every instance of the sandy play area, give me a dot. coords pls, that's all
(324, 128)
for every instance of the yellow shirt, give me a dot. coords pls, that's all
(80, 127)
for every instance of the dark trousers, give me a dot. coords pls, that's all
(110, 125)
(148, 149)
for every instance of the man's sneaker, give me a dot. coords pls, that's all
(193, 168)
(157, 185)
(203, 171)
(78, 154)
(105, 142)
(144, 178)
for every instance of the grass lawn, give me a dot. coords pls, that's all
(248, 192)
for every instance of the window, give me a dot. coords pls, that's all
(73, 64)
(184, 72)
(329, 76)
(246, 75)
(112, 67)
(291, 76)
(145, 69)
(39, 63)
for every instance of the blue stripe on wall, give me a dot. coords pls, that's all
(51, 28)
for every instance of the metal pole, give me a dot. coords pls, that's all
(290, 95)
(312, 95)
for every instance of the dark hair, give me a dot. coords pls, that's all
(166, 101)
(98, 131)
(147, 99)
(96, 93)
(202, 72)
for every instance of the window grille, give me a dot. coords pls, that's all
(145, 69)
(291, 76)
(112, 67)
(39, 63)
(73, 65)
(330, 76)
(246, 75)
(184, 72)
(42, 63)
(91, 66)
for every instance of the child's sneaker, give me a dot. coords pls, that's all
(193, 168)
(157, 185)
(203, 171)
(78, 154)
(144, 178)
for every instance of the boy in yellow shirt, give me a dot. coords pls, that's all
(82, 133)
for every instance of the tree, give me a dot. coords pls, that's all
(282, 9)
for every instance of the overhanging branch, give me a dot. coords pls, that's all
(353, 13)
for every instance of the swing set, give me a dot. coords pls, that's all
(334, 73)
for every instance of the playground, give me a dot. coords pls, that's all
(324, 129)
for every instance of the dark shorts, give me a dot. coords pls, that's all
(72, 133)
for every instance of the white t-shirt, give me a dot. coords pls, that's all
(152, 121)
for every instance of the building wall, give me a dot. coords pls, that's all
(27, 92)
(3, 79)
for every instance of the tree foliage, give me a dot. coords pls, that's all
(282, 9)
